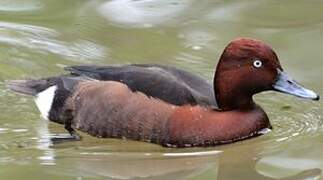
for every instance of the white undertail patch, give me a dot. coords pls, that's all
(44, 101)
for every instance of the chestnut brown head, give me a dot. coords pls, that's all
(249, 66)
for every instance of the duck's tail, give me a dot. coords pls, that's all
(28, 87)
(50, 93)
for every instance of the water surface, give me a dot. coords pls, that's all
(40, 37)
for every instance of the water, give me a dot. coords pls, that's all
(40, 37)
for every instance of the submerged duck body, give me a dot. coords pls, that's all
(165, 105)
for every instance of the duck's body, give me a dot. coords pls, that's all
(163, 104)
(133, 115)
(123, 113)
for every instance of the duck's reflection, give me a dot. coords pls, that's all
(44, 143)
(143, 166)
(79, 160)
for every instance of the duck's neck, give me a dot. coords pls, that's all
(231, 91)
(233, 100)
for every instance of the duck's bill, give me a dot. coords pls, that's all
(287, 85)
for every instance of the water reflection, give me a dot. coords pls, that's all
(19, 5)
(145, 13)
(44, 144)
(141, 165)
(45, 40)
(132, 163)
(3, 130)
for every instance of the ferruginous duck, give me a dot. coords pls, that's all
(165, 105)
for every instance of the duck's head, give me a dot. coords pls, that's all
(249, 66)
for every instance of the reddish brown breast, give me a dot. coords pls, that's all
(199, 126)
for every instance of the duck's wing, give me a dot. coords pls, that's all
(167, 83)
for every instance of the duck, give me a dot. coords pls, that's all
(163, 104)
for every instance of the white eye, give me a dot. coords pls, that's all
(257, 63)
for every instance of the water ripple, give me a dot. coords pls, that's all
(45, 40)
(19, 5)
(292, 118)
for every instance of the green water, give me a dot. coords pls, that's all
(39, 37)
